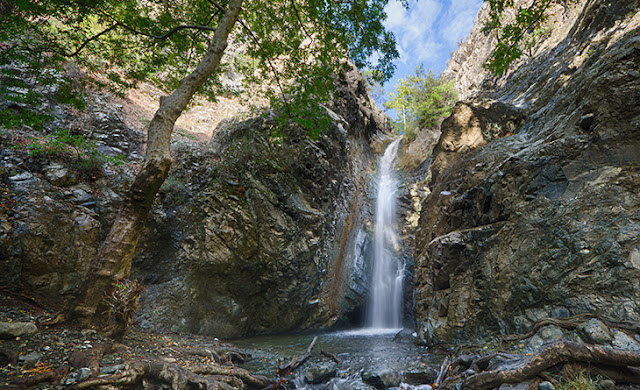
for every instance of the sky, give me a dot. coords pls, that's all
(427, 34)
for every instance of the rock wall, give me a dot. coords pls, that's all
(270, 238)
(535, 210)
(262, 230)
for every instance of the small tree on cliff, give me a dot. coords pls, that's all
(422, 100)
(164, 38)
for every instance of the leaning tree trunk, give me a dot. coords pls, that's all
(113, 261)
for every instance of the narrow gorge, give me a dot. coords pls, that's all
(499, 248)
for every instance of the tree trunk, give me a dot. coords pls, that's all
(113, 261)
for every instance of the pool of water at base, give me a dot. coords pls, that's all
(358, 351)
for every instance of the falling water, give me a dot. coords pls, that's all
(385, 308)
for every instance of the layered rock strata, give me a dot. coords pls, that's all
(535, 209)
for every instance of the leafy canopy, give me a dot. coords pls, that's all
(423, 99)
(164, 40)
(516, 36)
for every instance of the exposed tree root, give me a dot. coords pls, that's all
(179, 378)
(551, 355)
(629, 375)
(570, 323)
(48, 376)
(255, 381)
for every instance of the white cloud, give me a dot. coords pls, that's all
(459, 19)
(413, 28)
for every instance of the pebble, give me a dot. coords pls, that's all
(111, 369)
(30, 357)
(83, 374)
(607, 384)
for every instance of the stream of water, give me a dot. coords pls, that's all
(385, 309)
(358, 351)
(376, 345)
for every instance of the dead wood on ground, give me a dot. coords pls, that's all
(297, 361)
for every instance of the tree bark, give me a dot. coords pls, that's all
(559, 352)
(113, 261)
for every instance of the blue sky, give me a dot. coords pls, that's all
(427, 33)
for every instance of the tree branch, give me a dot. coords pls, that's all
(293, 4)
(257, 41)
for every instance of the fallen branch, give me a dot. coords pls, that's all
(331, 356)
(444, 369)
(548, 356)
(296, 361)
(7, 290)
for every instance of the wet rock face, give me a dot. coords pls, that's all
(250, 246)
(542, 219)
(249, 234)
(260, 236)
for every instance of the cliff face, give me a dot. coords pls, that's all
(250, 234)
(535, 210)
(265, 242)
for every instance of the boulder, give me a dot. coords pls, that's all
(320, 373)
(594, 331)
(10, 330)
(381, 378)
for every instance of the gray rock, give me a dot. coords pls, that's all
(468, 372)
(108, 370)
(594, 331)
(83, 374)
(32, 357)
(531, 234)
(381, 378)
(357, 385)
(516, 386)
(320, 374)
(622, 340)
(551, 333)
(419, 373)
(24, 176)
(17, 329)
(59, 175)
(607, 384)
(546, 386)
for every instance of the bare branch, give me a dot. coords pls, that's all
(86, 42)
(165, 36)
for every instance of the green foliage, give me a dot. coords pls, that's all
(308, 40)
(580, 381)
(422, 100)
(67, 95)
(10, 118)
(516, 36)
(88, 161)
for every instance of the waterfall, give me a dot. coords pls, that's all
(385, 304)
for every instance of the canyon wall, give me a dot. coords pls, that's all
(535, 209)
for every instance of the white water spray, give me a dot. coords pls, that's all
(385, 308)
